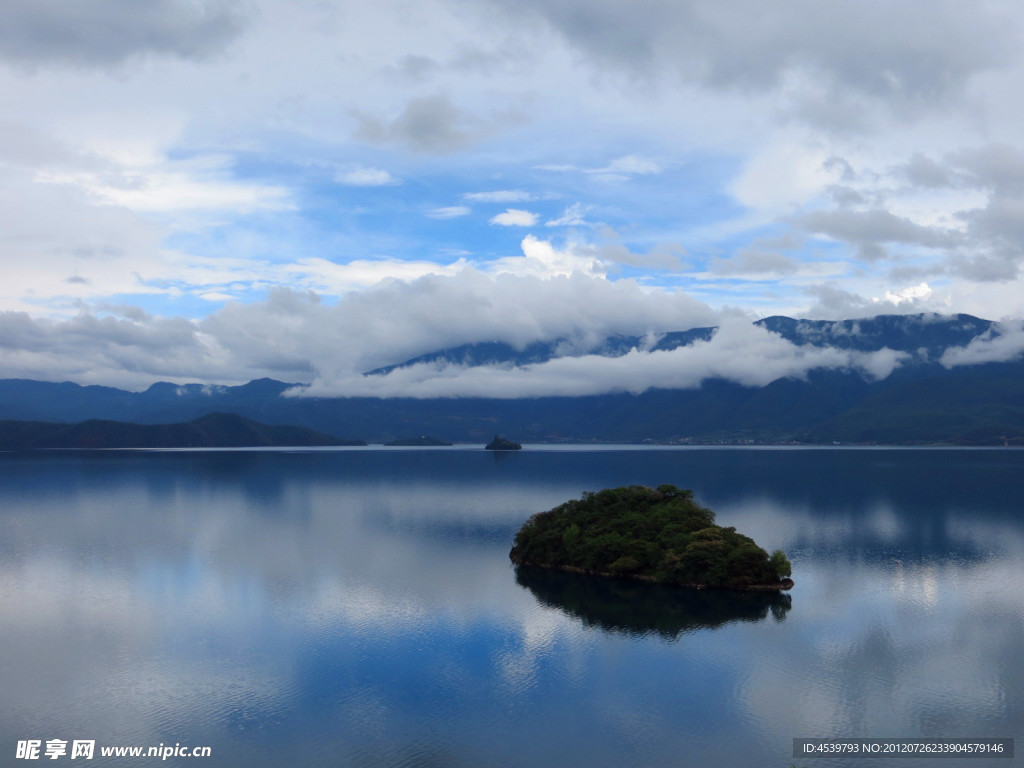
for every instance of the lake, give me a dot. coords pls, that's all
(357, 607)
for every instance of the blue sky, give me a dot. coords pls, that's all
(181, 178)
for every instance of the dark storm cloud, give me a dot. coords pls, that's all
(908, 55)
(872, 227)
(87, 348)
(431, 125)
(985, 268)
(101, 33)
(994, 166)
(755, 261)
(979, 243)
(998, 226)
(993, 231)
(922, 171)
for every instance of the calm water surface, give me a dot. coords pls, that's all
(357, 608)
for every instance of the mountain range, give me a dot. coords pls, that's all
(921, 402)
(215, 430)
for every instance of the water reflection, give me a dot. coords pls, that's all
(358, 608)
(639, 608)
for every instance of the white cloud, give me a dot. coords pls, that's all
(515, 217)
(557, 167)
(542, 259)
(499, 196)
(450, 212)
(367, 177)
(835, 303)
(159, 192)
(785, 173)
(1004, 344)
(335, 279)
(202, 183)
(571, 217)
(630, 165)
(620, 169)
(913, 294)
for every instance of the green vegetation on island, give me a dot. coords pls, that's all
(658, 535)
(501, 444)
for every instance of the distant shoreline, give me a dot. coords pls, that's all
(527, 448)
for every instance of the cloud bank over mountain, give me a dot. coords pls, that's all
(738, 352)
(298, 337)
(1007, 344)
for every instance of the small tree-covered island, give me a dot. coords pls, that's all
(654, 534)
(501, 444)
